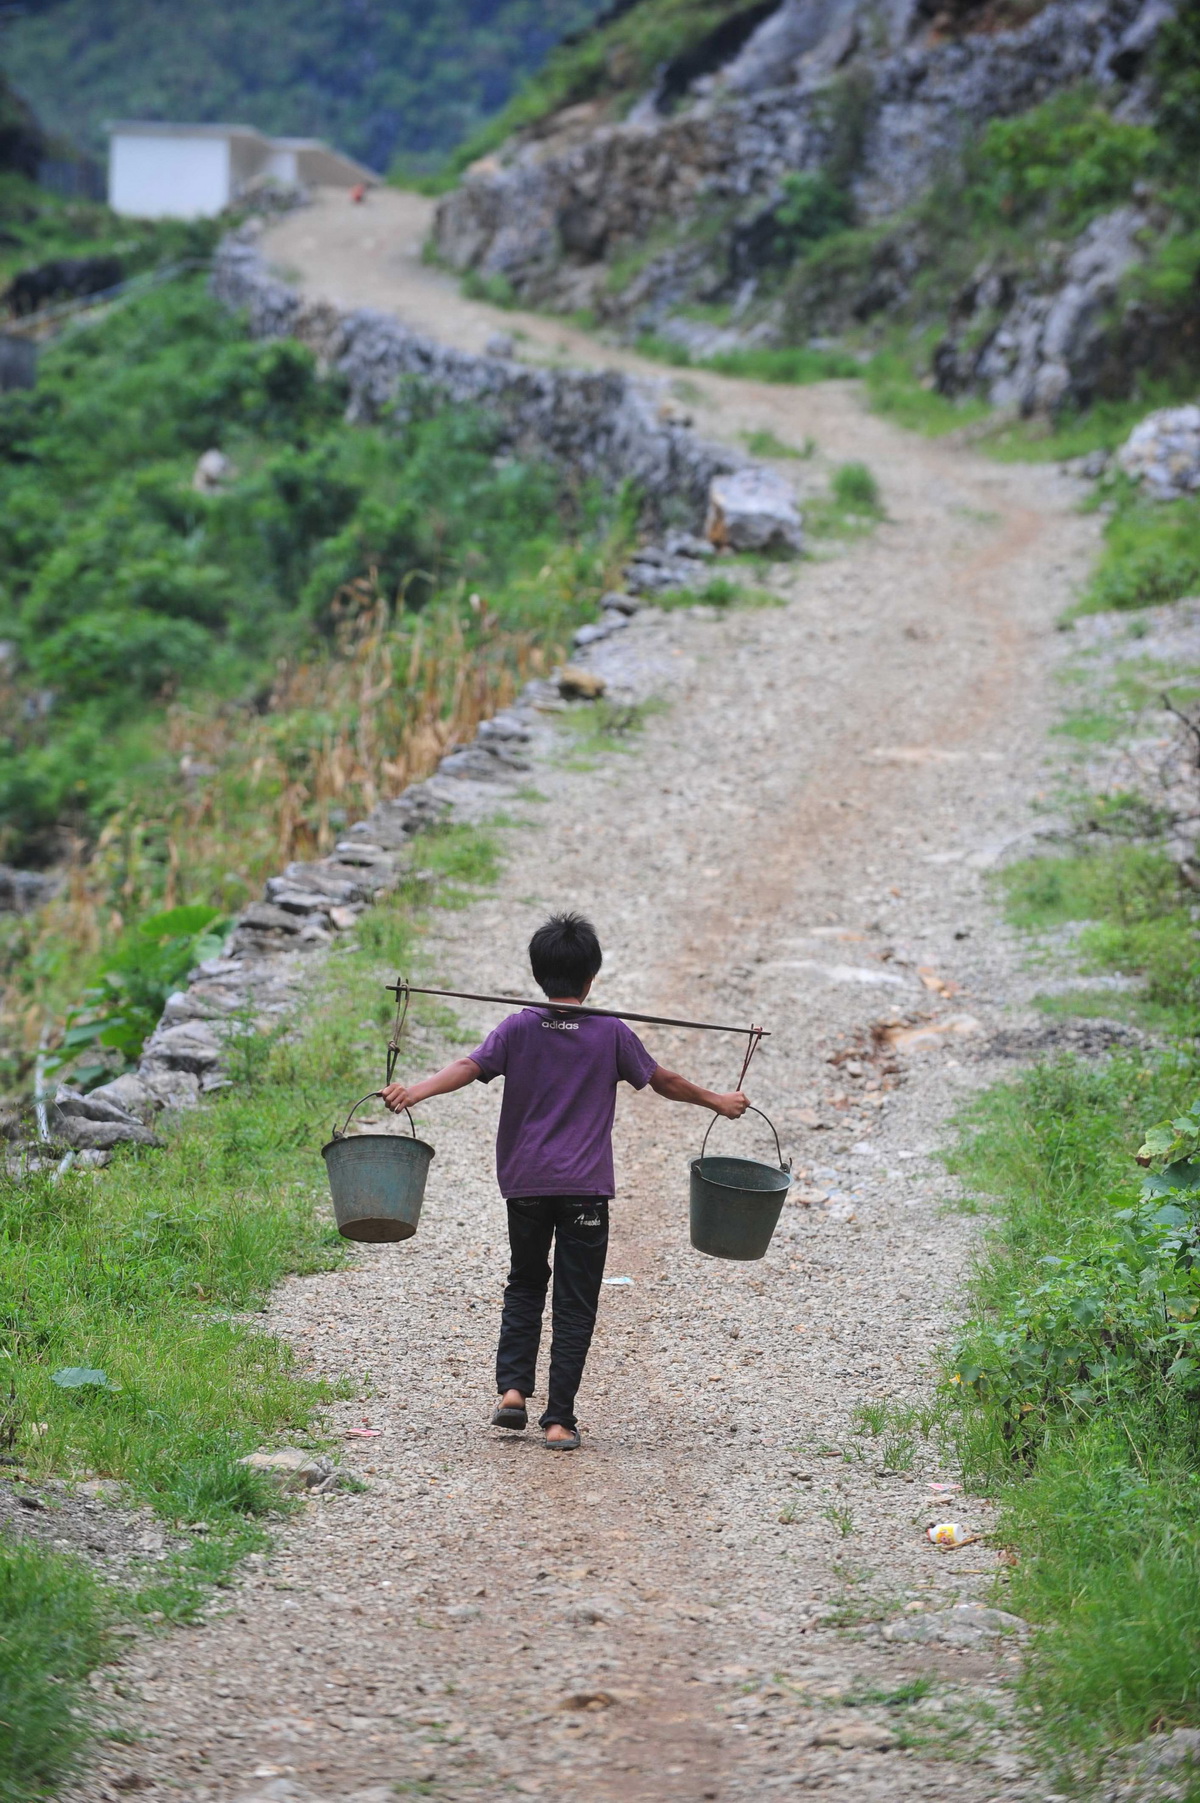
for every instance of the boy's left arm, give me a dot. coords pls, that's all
(732, 1104)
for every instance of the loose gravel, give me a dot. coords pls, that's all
(693, 1606)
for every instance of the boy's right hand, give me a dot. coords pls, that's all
(733, 1106)
(396, 1097)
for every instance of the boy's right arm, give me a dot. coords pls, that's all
(457, 1075)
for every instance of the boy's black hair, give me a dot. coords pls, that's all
(565, 954)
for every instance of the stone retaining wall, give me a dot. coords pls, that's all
(600, 424)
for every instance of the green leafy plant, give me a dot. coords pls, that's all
(1174, 1146)
(120, 1013)
(80, 1377)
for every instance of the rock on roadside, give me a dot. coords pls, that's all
(753, 510)
(966, 1625)
(292, 1470)
(1163, 453)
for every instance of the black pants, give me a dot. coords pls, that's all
(580, 1224)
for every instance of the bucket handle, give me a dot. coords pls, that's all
(340, 1133)
(751, 1109)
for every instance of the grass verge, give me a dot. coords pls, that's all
(759, 363)
(1077, 1387)
(1133, 916)
(148, 1278)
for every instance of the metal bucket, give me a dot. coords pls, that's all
(377, 1181)
(736, 1202)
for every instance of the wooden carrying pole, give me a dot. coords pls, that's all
(521, 1001)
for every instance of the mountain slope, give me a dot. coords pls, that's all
(380, 78)
(1006, 175)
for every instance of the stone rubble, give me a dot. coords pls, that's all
(968, 1624)
(1161, 1769)
(295, 1471)
(1163, 453)
(21, 891)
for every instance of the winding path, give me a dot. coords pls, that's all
(799, 833)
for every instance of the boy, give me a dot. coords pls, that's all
(554, 1162)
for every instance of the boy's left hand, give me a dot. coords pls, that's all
(396, 1097)
(733, 1106)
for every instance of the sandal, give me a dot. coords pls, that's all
(517, 1419)
(571, 1445)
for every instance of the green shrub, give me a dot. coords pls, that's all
(1151, 555)
(813, 207)
(1177, 77)
(117, 655)
(855, 489)
(494, 288)
(1064, 161)
(1113, 1322)
(1170, 277)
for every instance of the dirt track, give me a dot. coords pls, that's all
(802, 830)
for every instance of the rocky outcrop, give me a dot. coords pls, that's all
(687, 202)
(600, 424)
(1163, 453)
(1028, 345)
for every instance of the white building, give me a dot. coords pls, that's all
(194, 171)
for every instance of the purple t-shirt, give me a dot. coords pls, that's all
(560, 1095)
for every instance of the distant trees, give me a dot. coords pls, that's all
(404, 79)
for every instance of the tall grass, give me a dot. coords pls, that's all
(54, 1620)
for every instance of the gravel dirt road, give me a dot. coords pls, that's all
(693, 1606)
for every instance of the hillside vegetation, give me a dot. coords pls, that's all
(207, 682)
(397, 80)
(630, 48)
(777, 206)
